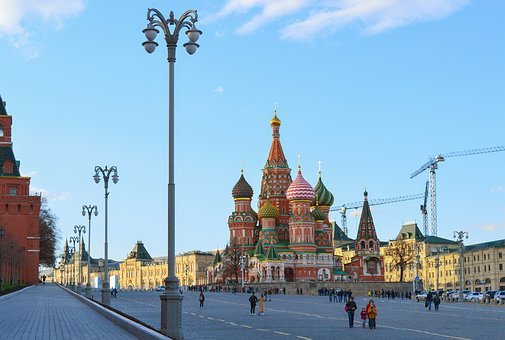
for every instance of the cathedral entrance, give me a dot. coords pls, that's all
(289, 275)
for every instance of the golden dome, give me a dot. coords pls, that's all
(275, 121)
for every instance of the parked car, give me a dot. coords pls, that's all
(160, 288)
(455, 294)
(490, 294)
(500, 296)
(473, 296)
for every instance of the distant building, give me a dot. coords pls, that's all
(19, 213)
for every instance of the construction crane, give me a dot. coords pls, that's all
(424, 209)
(378, 201)
(432, 164)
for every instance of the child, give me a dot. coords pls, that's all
(363, 316)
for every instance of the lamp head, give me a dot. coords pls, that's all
(83, 212)
(150, 32)
(150, 46)
(115, 177)
(193, 34)
(191, 47)
(96, 211)
(96, 177)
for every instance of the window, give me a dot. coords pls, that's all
(13, 191)
(501, 266)
(499, 255)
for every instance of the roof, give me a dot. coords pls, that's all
(242, 189)
(139, 252)
(366, 229)
(324, 196)
(410, 231)
(217, 258)
(259, 251)
(339, 235)
(492, 244)
(3, 111)
(438, 240)
(276, 158)
(272, 253)
(6, 153)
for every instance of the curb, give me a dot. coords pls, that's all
(128, 325)
(8, 296)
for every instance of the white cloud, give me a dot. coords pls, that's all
(219, 90)
(21, 19)
(491, 227)
(324, 17)
(51, 196)
(29, 174)
(499, 188)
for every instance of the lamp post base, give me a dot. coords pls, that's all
(105, 294)
(171, 309)
(87, 291)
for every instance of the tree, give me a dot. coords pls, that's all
(401, 253)
(49, 235)
(232, 261)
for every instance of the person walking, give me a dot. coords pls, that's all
(261, 310)
(436, 301)
(371, 311)
(201, 298)
(429, 300)
(350, 308)
(363, 316)
(252, 300)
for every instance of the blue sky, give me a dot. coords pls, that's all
(369, 88)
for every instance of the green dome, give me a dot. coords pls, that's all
(324, 195)
(268, 210)
(242, 189)
(318, 214)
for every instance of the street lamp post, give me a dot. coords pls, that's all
(115, 178)
(78, 229)
(437, 265)
(171, 299)
(89, 209)
(1, 258)
(73, 240)
(459, 236)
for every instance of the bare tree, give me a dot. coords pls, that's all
(49, 235)
(232, 261)
(402, 254)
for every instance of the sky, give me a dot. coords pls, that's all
(371, 88)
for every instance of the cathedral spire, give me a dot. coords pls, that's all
(366, 229)
(276, 156)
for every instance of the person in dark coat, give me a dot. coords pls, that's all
(252, 300)
(350, 308)
(201, 298)
(436, 301)
(429, 300)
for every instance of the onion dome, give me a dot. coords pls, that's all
(268, 210)
(275, 121)
(318, 214)
(324, 195)
(242, 189)
(300, 189)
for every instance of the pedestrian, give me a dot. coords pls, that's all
(371, 311)
(436, 301)
(261, 310)
(201, 298)
(252, 300)
(429, 300)
(112, 292)
(115, 292)
(269, 295)
(363, 316)
(350, 308)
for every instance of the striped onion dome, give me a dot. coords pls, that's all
(242, 189)
(268, 210)
(300, 189)
(324, 195)
(318, 214)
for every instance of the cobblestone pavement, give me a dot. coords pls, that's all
(226, 316)
(48, 312)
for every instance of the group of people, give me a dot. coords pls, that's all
(432, 299)
(339, 295)
(113, 292)
(369, 312)
(253, 299)
(390, 294)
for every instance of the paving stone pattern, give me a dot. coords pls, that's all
(48, 312)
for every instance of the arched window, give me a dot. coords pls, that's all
(362, 245)
(370, 244)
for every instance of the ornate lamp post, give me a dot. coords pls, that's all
(171, 299)
(89, 210)
(78, 229)
(1, 258)
(115, 178)
(73, 241)
(459, 236)
(12, 259)
(437, 265)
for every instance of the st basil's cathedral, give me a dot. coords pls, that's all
(290, 237)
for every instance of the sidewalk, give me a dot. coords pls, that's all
(48, 312)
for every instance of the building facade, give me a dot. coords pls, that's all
(19, 214)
